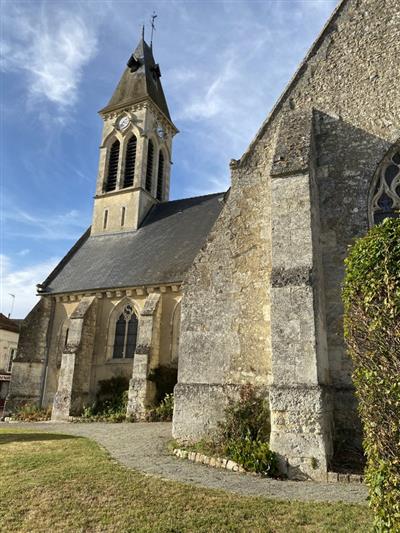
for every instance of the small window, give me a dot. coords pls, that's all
(125, 338)
(66, 338)
(111, 181)
(160, 177)
(123, 216)
(130, 160)
(149, 169)
(105, 219)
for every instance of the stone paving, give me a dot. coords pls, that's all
(143, 447)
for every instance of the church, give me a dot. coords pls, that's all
(238, 287)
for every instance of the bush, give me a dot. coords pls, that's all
(371, 296)
(32, 413)
(247, 418)
(111, 401)
(162, 412)
(253, 455)
(165, 378)
(244, 434)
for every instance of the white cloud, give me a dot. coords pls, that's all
(47, 226)
(50, 49)
(22, 284)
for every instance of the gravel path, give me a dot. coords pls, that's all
(142, 446)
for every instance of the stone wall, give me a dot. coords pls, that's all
(350, 79)
(28, 371)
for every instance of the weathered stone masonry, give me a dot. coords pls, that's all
(306, 180)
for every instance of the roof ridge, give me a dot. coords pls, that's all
(194, 197)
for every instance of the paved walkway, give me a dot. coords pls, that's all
(143, 446)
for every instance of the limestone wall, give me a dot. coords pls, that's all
(351, 79)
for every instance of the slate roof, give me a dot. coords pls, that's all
(160, 251)
(143, 82)
(8, 324)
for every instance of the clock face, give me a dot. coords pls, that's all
(123, 123)
(160, 132)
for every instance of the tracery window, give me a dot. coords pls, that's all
(130, 160)
(160, 176)
(149, 168)
(385, 201)
(125, 338)
(111, 181)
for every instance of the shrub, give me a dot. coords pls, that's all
(371, 296)
(162, 412)
(32, 413)
(165, 378)
(243, 435)
(249, 417)
(253, 455)
(111, 401)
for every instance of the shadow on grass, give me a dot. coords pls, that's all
(6, 438)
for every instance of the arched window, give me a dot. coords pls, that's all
(149, 168)
(125, 338)
(130, 160)
(385, 202)
(111, 181)
(160, 176)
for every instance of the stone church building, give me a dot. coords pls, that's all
(246, 283)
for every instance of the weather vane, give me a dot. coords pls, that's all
(153, 28)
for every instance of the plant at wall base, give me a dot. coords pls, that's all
(162, 412)
(32, 413)
(165, 378)
(243, 435)
(111, 401)
(371, 296)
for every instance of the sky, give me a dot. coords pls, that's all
(223, 64)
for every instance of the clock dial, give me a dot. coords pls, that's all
(123, 123)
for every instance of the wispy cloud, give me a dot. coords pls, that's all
(22, 284)
(50, 49)
(48, 226)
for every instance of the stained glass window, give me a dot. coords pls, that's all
(125, 338)
(386, 197)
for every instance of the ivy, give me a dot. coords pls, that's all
(371, 296)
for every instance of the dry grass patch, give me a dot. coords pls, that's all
(61, 483)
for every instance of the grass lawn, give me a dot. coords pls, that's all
(59, 483)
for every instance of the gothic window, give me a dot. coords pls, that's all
(111, 181)
(149, 169)
(125, 334)
(386, 189)
(130, 160)
(160, 176)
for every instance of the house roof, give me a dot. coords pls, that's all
(159, 252)
(8, 324)
(140, 80)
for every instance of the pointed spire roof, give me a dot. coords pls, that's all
(140, 80)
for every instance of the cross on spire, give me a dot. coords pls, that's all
(153, 28)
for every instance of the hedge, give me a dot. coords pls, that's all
(371, 296)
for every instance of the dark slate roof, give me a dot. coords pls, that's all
(140, 83)
(160, 251)
(8, 324)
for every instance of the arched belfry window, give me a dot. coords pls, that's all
(130, 159)
(149, 168)
(160, 176)
(385, 201)
(112, 171)
(125, 338)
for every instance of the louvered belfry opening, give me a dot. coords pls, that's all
(111, 181)
(130, 160)
(149, 169)
(160, 176)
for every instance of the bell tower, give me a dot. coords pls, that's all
(135, 152)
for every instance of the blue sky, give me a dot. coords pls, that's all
(223, 64)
